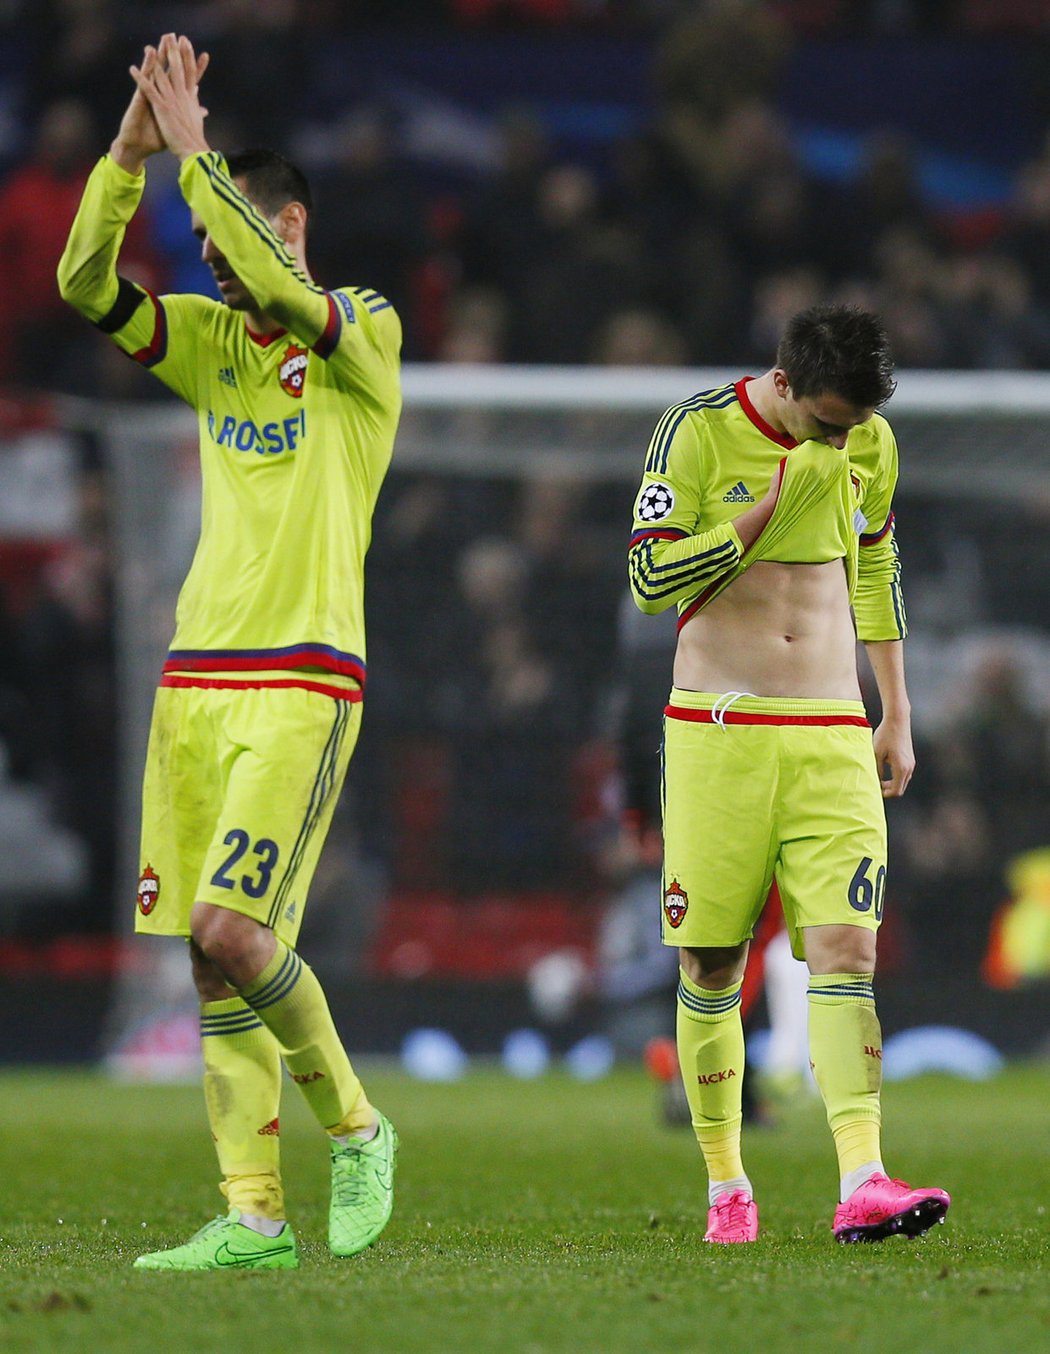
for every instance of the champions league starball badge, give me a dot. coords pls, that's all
(655, 503)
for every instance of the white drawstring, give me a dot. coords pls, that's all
(721, 706)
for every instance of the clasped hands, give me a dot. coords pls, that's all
(165, 111)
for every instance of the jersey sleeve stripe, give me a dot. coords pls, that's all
(329, 340)
(157, 348)
(898, 609)
(374, 310)
(657, 438)
(717, 554)
(655, 581)
(227, 190)
(900, 615)
(720, 398)
(874, 537)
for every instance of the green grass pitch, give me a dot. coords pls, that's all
(531, 1217)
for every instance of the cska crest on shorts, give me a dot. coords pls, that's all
(676, 904)
(148, 891)
(292, 371)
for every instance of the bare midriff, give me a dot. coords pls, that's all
(778, 630)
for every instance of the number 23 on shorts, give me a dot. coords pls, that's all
(261, 860)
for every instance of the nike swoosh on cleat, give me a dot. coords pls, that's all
(225, 1256)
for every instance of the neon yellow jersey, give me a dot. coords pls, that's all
(712, 457)
(296, 427)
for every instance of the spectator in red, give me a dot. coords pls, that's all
(37, 204)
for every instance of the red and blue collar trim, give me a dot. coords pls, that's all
(766, 429)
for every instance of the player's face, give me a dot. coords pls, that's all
(231, 288)
(821, 418)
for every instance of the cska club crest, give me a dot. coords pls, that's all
(292, 371)
(676, 904)
(148, 891)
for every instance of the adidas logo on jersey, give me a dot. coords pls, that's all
(227, 377)
(738, 494)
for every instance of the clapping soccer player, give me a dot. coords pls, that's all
(765, 514)
(297, 395)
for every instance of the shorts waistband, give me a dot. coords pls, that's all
(336, 687)
(741, 707)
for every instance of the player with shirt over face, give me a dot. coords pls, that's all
(297, 396)
(765, 515)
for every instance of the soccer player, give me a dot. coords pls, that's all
(765, 514)
(297, 397)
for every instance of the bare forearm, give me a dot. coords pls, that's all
(130, 158)
(886, 657)
(894, 754)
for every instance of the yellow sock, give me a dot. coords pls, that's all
(711, 1056)
(242, 1089)
(845, 1049)
(290, 1001)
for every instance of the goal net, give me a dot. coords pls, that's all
(476, 837)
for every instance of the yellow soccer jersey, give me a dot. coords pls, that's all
(296, 427)
(712, 457)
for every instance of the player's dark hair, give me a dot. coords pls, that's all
(838, 350)
(271, 180)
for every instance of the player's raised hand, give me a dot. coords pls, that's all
(170, 87)
(138, 136)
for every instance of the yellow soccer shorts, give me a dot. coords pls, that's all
(756, 789)
(240, 785)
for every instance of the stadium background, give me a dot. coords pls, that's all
(643, 185)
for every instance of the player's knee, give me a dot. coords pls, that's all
(714, 968)
(207, 979)
(237, 946)
(840, 949)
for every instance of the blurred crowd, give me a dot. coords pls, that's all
(688, 239)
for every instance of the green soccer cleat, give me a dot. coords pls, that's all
(362, 1190)
(225, 1243)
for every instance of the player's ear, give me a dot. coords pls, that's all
(781, 384)
(290, 223)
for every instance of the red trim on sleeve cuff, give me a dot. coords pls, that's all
(667, 534)
(326, 344)
(876, 536)
(157, 348)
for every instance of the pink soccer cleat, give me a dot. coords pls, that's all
(731, 1218)
(882, 1207)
